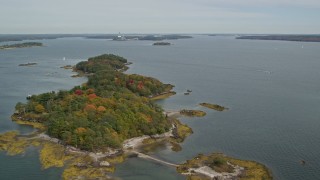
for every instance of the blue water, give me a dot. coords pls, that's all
(271, 87)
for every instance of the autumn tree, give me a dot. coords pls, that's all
(39, 108)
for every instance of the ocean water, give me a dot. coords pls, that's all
(271, 87)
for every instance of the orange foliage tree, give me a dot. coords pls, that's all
(92, 96)
(90, 107)
(101, 109)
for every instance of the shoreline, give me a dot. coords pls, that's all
(163, 95)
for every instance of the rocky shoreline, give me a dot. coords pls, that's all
(77, 163)
(134, 146)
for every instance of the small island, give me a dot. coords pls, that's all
(28, 64)
(220, 166)
(21, 45)
(161, 44)
(213, 106)
(192, 113)
(67, 67)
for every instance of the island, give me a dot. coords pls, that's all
(301, 38)
(21, 45)
(192, 113)
(90, 128)
(220, 166)
(67, 67)
(161, 44)
(99, 114)
(213, 106)
(28, 64)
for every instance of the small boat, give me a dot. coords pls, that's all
(64, 58)
(189, 91)
(186, 93)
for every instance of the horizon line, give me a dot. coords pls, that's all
(160, 33)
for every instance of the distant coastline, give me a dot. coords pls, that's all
(150, 37)
(301, 38)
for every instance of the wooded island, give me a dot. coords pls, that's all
(90, 128)
(109, 108)
(21, 45)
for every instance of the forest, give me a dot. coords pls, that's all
(100, 114)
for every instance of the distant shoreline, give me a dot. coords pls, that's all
(150, 37)
(297, 38)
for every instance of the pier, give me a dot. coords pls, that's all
(145, 156)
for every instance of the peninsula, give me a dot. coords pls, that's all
(21, 45)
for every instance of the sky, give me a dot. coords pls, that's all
(160, 16)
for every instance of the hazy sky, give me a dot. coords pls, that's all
(160, 16)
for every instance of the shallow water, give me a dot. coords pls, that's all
(271, 87)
